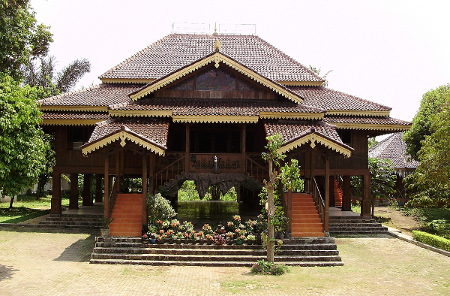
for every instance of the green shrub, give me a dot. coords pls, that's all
(159, 208)
(432, 240)
(269, 268)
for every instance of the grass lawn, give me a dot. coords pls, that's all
(26, 207)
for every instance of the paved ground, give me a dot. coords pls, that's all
(39, 263)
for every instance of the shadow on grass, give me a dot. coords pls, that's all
(79, 251)
(20, 214)
(6, 272)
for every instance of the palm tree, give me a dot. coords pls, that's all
(41, 73)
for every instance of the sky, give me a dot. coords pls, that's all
(387, 51)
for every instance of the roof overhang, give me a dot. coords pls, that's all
(366, 113)
(215, 119)
(217, 58)
(71, 122)
(123, 135)
(380, 127)
(313, 139)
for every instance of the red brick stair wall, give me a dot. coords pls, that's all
(127, 214)
(306, 221)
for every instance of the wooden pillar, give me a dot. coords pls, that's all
(73, 197)
(152, 181)
(98, 188)
(365, 203)
(331, 190)
(327, 194)
(56, 193)
(144, 189)
(106, 197)
(243, 148)
(87, 198)
(188, 148)
(346, 198)
(289, 210)
(312, 169)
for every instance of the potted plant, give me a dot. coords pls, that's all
(104, 231)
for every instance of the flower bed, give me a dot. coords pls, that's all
(232, 232)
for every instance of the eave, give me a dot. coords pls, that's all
(123, 135)
(313, 139)
(71, 122)
(381, 127)
(365, 113)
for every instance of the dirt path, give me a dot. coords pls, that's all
(394, 218)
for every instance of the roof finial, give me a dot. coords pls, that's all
(215, 29)
(217, 45)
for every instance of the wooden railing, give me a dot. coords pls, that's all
(170, 171)
(256, 170)
(318, 199)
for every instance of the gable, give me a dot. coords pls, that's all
(219, 80)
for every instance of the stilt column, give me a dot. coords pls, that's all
(346, 198)
(56, 193)
(73, 198)
(87, 198)
(365, 203)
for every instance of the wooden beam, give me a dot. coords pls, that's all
(188, 148)
(327, 194)
(106, 197)
(56, 194)
(144, 189)
(73, 197)
(365, 204)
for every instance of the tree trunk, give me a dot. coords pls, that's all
(11, 202)
(270, 214)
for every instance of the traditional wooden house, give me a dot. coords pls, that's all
(394, 149)
(200, 107)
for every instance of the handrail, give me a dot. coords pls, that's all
(318, 199)
(163, 174)
(252, 165)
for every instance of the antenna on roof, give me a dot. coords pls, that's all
(202, 28)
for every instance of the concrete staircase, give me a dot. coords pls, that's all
(127, 215)
(126, 250)
(306, 221)
(355, 225)
(337, 194)
(72, 221)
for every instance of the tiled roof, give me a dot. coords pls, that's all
(230, 107)
(393, 148)
(292, 130)
(178, 50)
(74, 115)
(325, 98)
(100, 95)
(365, 120)
(154, 130)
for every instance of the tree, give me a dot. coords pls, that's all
(382, 182)
(432, 177)
(42, 74)
(431, 104)
(273, 158)
(22, 145)
(21, 37)
(324, 77)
